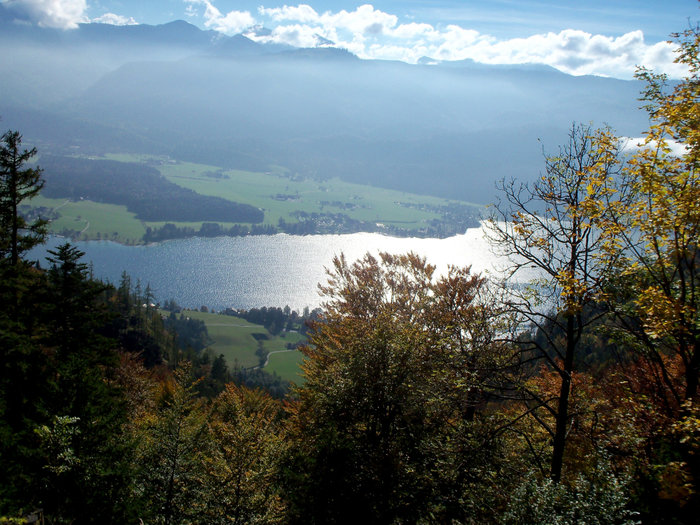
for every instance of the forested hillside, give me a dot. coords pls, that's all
(427, 398)
(142, 189)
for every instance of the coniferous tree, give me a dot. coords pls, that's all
(84, 390)
(17, 183)
(22, 363)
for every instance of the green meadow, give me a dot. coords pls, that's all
(281, 195)
(286, 365)
(238, 340)
(93, 220)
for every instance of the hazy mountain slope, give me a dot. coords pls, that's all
(448, 130)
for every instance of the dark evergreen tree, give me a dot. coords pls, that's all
(88, 409)
(22, 363)
(17, 183)
(219, 370)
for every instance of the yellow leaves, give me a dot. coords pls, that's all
(522, 225)
(660, 313)
(666, 315)
(592, 187)
(574, 290)
(663, 212)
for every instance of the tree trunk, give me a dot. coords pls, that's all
(692, 374)
(562, 419)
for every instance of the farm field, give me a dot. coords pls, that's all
(281, 194)
(284, 199)
(93, 220)
(286, 365)
(238, 341)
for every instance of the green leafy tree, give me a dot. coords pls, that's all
(599, 499)
(172, 444)
(394, 376)
(242, 467)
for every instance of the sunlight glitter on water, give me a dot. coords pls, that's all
(255, 271)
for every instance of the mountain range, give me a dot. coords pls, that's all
(448, 129)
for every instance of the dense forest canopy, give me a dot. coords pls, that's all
(426, 398)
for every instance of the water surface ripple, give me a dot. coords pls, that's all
(254, 271)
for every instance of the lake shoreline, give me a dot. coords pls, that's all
(444, 232)
(408, 235)
(257, 271)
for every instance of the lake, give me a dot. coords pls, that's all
(266, 270)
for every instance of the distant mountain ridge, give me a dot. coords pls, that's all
(443, 128)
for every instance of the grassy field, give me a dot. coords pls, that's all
(234, 338)
(279, 194)
(286, 365)
(93, 220)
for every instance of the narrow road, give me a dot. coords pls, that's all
(61, 205)
(267, 360)
(235, 325)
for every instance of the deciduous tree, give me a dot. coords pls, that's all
(172, 444)
(242, 467)
(396, 372)
(546, 231)
(661, 224)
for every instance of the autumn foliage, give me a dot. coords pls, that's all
(569, 396)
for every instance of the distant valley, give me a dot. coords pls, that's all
(139, 199)
(448, 130)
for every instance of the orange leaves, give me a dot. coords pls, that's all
(366, 287)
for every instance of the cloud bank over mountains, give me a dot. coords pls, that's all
(62, 14)
(450, 129)
(371, 33)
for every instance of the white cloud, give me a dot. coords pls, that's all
(61, 14)
(374, 34)
(364, 20)
(414, 30)
(677, 149)
(348, 28)
(578, 53)
(231, 23)
(302, 13)
(296, 35)
(115, 20)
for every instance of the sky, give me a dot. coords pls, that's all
(599, 37)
